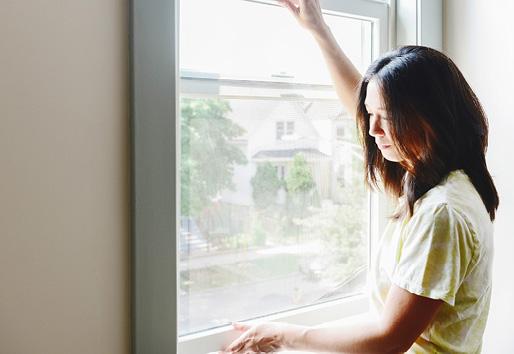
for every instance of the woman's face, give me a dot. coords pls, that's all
(379, 123)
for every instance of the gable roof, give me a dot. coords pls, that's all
(288, 153)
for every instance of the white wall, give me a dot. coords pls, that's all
(479, 37)
(64, 192)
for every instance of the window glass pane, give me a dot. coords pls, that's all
(290, 128)
(273, 211)
(237, 38)
(279, 130)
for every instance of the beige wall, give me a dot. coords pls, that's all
(64, 216)
(64, 185)
(479, 36)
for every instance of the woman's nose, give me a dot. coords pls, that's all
(374, 127)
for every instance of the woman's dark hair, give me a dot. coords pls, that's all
(436, 123)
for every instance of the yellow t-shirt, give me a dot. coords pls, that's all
(444, 251)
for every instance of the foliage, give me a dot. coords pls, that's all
(207, 155)
(341, 230)
(300, 187)
(258, 233)
(299, 179)
(265, 185)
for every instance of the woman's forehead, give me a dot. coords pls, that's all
(374, 98)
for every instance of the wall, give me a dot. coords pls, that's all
(479, 36)
(64, 168)
(64, 182)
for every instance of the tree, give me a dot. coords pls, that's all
(265, 185)
(299, 184)
(299, 180)
(341, 230)
(207, 155)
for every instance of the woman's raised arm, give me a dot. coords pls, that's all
(345, 76)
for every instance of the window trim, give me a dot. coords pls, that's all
(154, 78)
(419, 22)
(153, 81)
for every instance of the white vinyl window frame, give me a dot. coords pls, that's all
(155, 142)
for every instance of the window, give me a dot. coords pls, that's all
(281, 172)
(290, 128)
(228, 98)
(279, 130)
(244, 251)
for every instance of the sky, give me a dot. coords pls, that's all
(238, 38)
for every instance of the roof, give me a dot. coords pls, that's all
(288, 154)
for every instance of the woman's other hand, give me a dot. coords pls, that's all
(307, 13)
(263, 338)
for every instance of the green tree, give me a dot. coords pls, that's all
(341, 230)
(207, 154)
(265, 185)
(299, 184)
(299, 180)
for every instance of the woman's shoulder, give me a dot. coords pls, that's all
(455, 191)
(455, 197)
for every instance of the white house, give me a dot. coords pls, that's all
(278, 130)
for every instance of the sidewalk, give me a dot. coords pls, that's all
(217, 259)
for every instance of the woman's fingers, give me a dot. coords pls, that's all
(240, 326)
(307, 12)
(262, 338)
(239, 344)
(290, 6)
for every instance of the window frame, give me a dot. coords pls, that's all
(279, 130)
(154, 80)
(288, 125)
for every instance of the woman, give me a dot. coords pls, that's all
(424, 135)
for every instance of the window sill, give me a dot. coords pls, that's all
(347, 309)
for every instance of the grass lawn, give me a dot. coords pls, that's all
(241, 272)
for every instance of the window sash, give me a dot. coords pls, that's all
(279, 126)
(289, 128)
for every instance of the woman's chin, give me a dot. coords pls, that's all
(391, 157)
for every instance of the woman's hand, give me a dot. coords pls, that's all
(262, 338)
(345, 76)
(307, 13)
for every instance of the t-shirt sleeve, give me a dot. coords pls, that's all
(436, 250)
